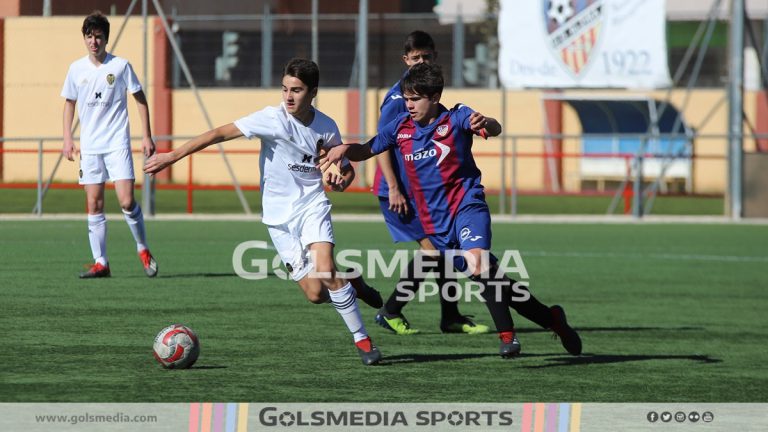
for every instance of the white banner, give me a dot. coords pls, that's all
(382, 417)
(583, 43)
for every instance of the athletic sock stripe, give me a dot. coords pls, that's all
(345, 304)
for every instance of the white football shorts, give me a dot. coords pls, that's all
(97, 168)
(292, 239)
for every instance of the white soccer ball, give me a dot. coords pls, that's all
(176, 347)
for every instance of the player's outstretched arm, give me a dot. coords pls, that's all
(161, 160)
(484, 126)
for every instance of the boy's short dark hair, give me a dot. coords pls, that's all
(418, 40)
(425, 79)
(96, 21)
(305, 70)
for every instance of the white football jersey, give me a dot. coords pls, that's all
(290, 180)
(100, 93)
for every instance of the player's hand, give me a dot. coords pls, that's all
(397, 202)
(333, 178)
(148, 146)
(477, 122)
(70, 150)
(157, 162)
(332, 157)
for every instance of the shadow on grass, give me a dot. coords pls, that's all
(586, 359)
(193, 368)
(613, 329)
(427, 358)
(194, 275)
(197, 275)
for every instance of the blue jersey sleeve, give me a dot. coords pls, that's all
(386, 138)
(462, 113)
(390, 108)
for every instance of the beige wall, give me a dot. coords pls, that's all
(35, 71)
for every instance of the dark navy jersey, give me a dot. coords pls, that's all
(437, 162)
(393, 105)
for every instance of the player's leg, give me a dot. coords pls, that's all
(119, 164)
(471, 234)
(496, 299)
(402, 229)
(451, 320)
(316, 236)
(366, 293)
(474, 232)
(92, 177)
(526, 304)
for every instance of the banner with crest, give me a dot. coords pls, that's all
(583, 43)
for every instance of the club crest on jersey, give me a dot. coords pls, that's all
(110, 79)
(442, 130)
(573, 29)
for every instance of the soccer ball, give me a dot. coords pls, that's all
(176, 347)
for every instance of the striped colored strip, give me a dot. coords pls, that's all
(576, 417)
(565, 414)
(539, 410)
(205, 422)
(231, 417)
(551, 425)
(194, 417)
(218, 417)
(527, 417)
(242, 417)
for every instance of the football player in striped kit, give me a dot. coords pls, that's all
(434, 147)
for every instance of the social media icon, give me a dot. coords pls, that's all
(680, 416)
(653, 416)
(666, 416)
(707, 416)
(693, 416)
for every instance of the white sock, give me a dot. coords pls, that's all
(97, 236)
(343, 299)
(135, 219)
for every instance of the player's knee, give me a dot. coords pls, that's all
(126, 204)
(95, 205)
(314, 291)
(319, 296)
(316, 298)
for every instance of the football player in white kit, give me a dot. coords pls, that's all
(296, 209)
(97, 84)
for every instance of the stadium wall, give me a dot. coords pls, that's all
(38, 51)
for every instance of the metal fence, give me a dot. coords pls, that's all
(635, 178)
(257, 46)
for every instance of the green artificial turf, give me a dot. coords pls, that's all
(666, 313)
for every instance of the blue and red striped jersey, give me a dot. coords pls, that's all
(437, 163)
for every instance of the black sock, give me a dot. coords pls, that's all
(532, 308)
(405, 289)
(497, 301)
(449, 308)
